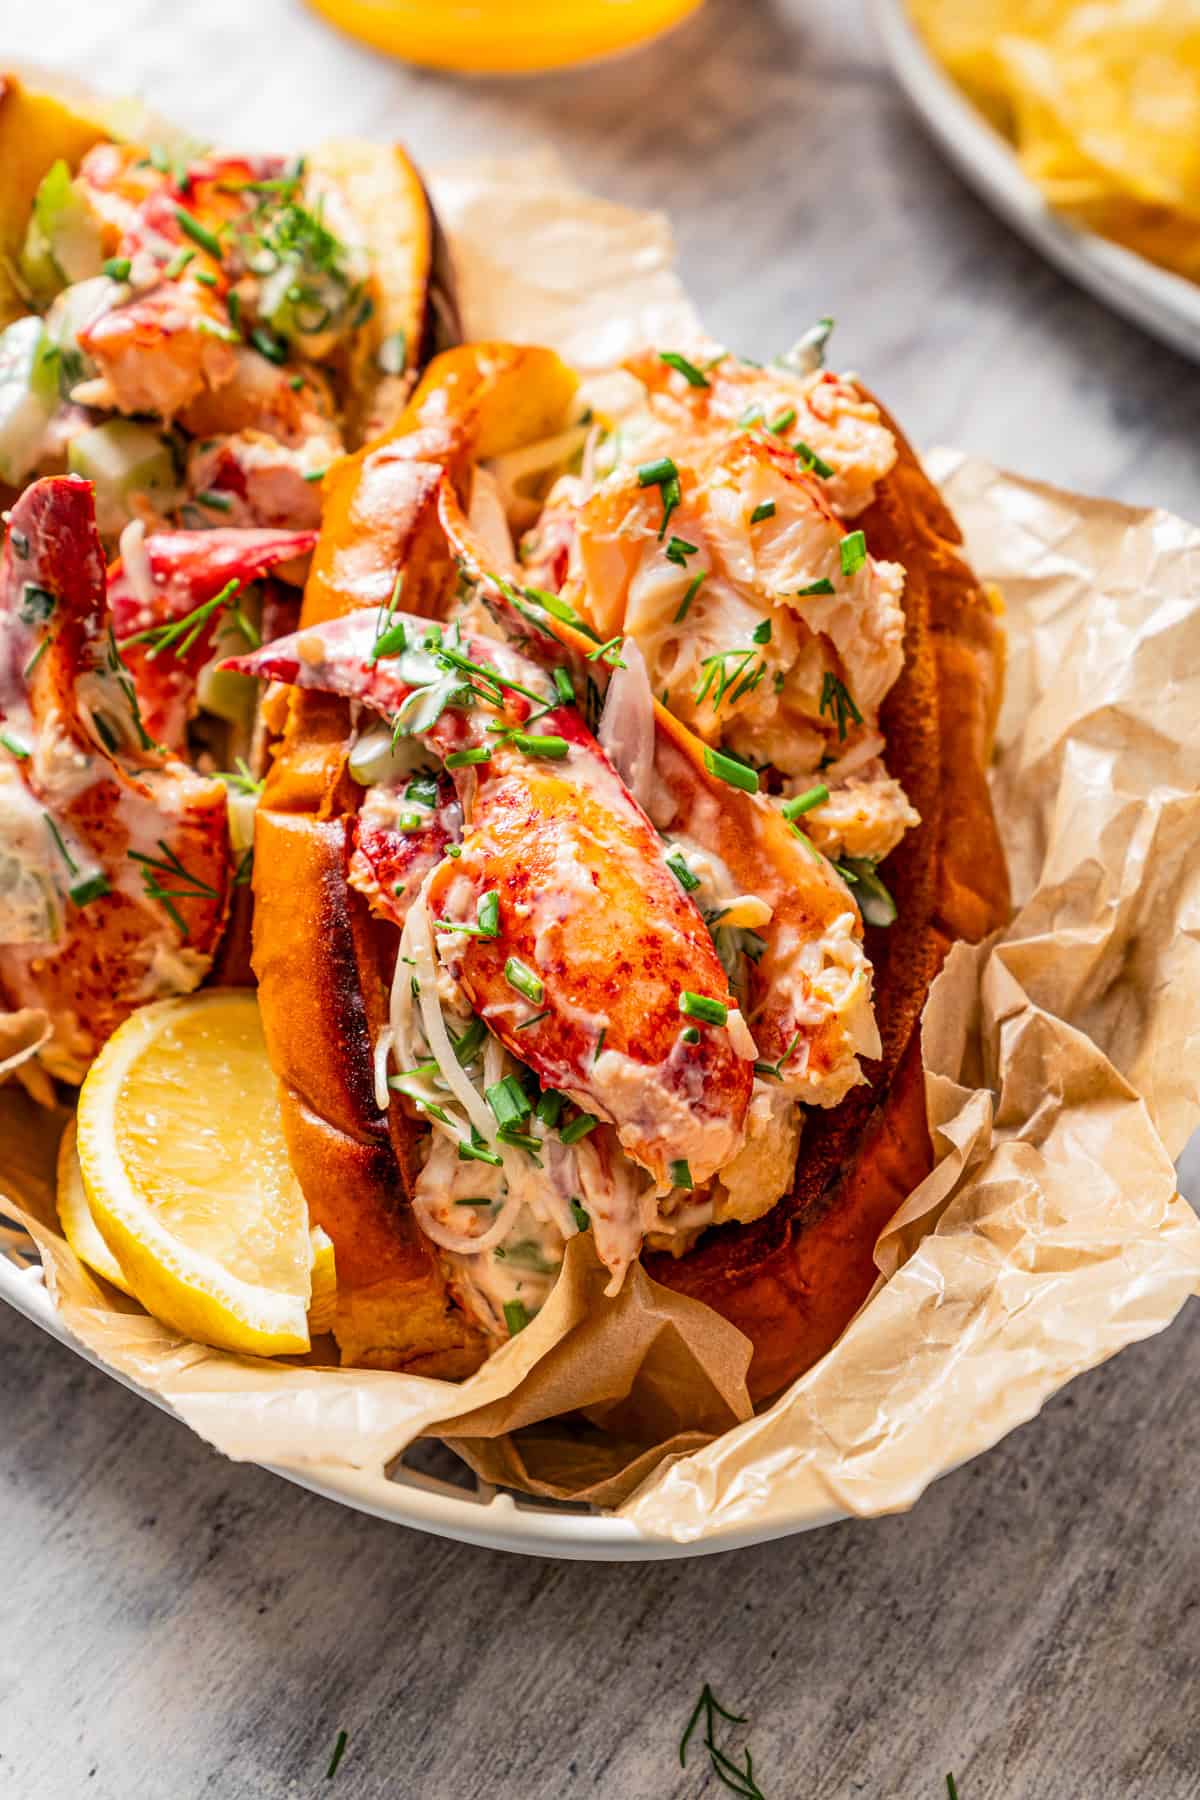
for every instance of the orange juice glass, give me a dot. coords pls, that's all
(503, 36)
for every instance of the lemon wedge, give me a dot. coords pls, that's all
(187, 1177)
(322, 1307)
(75, 1216)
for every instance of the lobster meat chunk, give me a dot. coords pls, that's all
(560, 919)
(115, 854)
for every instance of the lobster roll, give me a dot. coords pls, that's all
(629, 791)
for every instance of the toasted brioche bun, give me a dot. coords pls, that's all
(792, 1280)
(323, 996)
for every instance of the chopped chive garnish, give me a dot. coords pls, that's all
(690, 1035)
(214, 328)
(677, 863)
(178, 263)
(783, 420)
(653, 474)
(535, 1020)
(523, 1140)
(468, 1046)
(524, 980)
(508, 1101)
(564, 687)
(678, 550)
(578, 1128)
(599, 1045)
(462, 759)
(487, 914)
(389, 643)
(14, 746)
(454, 851)
(553, 604)
(728, 769)
(423, 789)
(823, 586)
(762, 632)
(408, 822)
(854, 552)
(549, 1108)
(685, 603)
(217, 501)
(811, 460)
(553, 747)
(580, 1214)
(199, 234)
(476, 1200)
(118, 267)
(206, 276)
(751, 416)
(398, 888)
(35, 659)
(836, 700)
(802, 803)
(233, 306)
(665, 476)
(516, 1316)
(316, 474)
(699, 1006)
(681, 1174)
(273, 347)
(479, 1153)
(91, 888)
(691, 374)
(296, 382)
(764, 510)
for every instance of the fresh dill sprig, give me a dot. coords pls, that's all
(339, 1750)
(740, 1780)
(729, 670)
(180, 634)
(241, 779)
(157, 870)
(837, 701)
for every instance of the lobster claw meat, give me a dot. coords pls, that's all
(116, 862)
(560, 919)
(808, 987)
(181, 573)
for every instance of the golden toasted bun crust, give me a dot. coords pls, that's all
(323, 997)
(793, 1279)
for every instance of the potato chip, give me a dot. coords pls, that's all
(1101, 101)
(1130, 95)
(964, 34)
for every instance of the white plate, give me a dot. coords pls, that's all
(413, 1497)
(1160, 302)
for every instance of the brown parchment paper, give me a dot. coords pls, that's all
(1060, 1057)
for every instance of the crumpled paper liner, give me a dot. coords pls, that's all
(1059, 1056)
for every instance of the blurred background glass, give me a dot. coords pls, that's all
(496, 36)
